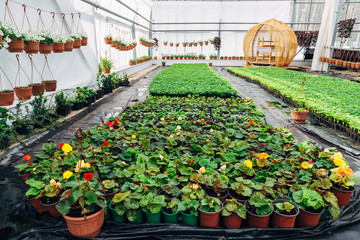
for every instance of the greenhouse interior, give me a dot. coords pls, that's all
(179, 119)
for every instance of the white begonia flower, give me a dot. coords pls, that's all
(178, 127)
(326, 150)
(161, 157)
(211, 130)
(223, 167)
(179, 118)
(162, 119)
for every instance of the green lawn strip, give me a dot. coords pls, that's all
(333, 98)
(194, 79)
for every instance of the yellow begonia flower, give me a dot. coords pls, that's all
(305, 165)
(263, 156)
(337, 155)
(339, 162)
(67, 174)
(66, 148)
(87, 165)
(345, 171)
(133, 137)
(52, 182)
(202, 170)
(80, 164)
(248, 163)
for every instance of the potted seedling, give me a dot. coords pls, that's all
(258, 212)
(241, 190)
(299, 115)
(165, 43)
(233, 212)
(169, 191)
(171, 211)
(284, 215)
(152, 205)
(189, 212)
(163, 63)
(209, 212)
(106, 64)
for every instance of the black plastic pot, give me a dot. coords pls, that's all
(77, 106)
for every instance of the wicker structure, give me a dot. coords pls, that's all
(270, 43)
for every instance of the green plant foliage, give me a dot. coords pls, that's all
(233, 207)
(184, 79)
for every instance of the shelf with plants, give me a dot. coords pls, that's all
(184, 79)
(139, 60)
(335, 104)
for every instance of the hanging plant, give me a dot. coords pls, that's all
(345, 27)
(306, 39)
(217, 43)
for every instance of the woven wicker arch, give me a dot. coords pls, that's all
(271, 42)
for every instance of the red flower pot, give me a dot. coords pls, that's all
(256, 221)
(32, 46)
(232, 221)
(58, 47)
(108, 40)
(23, 93)
(307, 219)
(343, 196)
(51, 208)
(84, 41)
(6, 98)
(37, 205)
(210, 64)
(88, 227)
(207, 219)
(299, 117)
(280, 220)
(50, 85)
(16, 45)
(37, 89)
(45, 48)
(77, 43)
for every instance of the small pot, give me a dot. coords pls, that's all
(16, 45)
(108, 40)
(77, 43)
(37, 89)
(32, 46)
(6, 99)
(24, 177)
(153, 217)
(116, 217)
(280, 220)
(23, 93)
(107, 70)
(88, 227)
(256, 221)
(139, 217)
(58, 47)
(232, 221)
(37, 205)
(299, 117)
(343, 196)
(188, 219)
(172, 218)
(45, 48)
(69, 45)
(210, 64)
(50, 85)
(84, 41)
(51, 209)
(307, 219)
(209, 219)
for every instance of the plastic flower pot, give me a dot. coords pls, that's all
(232, 221)
(84, 41)
(16, 45)
(116, 217)
(24, 177)
(324, 215)
(45, 48)
(88, 227)
(51, 208)
(77, 43)
(23, 93)
(171, 217)
(37, 89)
(6, 98)
(32, 46)
(37, 205)
(188, 219)
(307, 219)
(50, 85)
(256, 221)
(153, 217)
(343, 196)
(69, 45)
(299, 117)
(209, 219)
(58, 47)
(139, 217)
(280, 220)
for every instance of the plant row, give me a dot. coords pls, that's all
(184, 79)
(139, 60)
(119, 44)
(189, 44)
(195, 56)
(188, 154)
(34, 41)
(325, 97)
(348, 64)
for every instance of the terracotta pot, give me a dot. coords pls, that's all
(37, 89)
(343, 196)
(233, 58)
(24, 177)
(45, 48)
(163, 64)
(155, 58)
(207, 219)
(6, 99)
(210, 64)
(237, 58)
(165, 43)
(51, 209)
(23, 93)
(107, 70)
(337, 62)
(353, 65)
(171, 44)
(232, 221)
(77, 43)
(69, 46)
(256, 221)
(50, 85)
(358, 66)
(113, 44)
(16, 45)
(184, 45)
(84, 41)
(280, 220)
(32, 46)
(87, 227)
(177, 45)
(58, 47)
(299, 117)
(37, 205)
(322, 59)
(307, 219)
(108, 41)
(206, 43)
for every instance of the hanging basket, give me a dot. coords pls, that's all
(32, 46)
(108, 40)
(113, 44)
(37, 88)
(77, 43)
(6, 98)
(45, 48)
(69, 46)
(16, 45)
(84, 41)
(50, 85)
(23, 93)
(58, 47)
